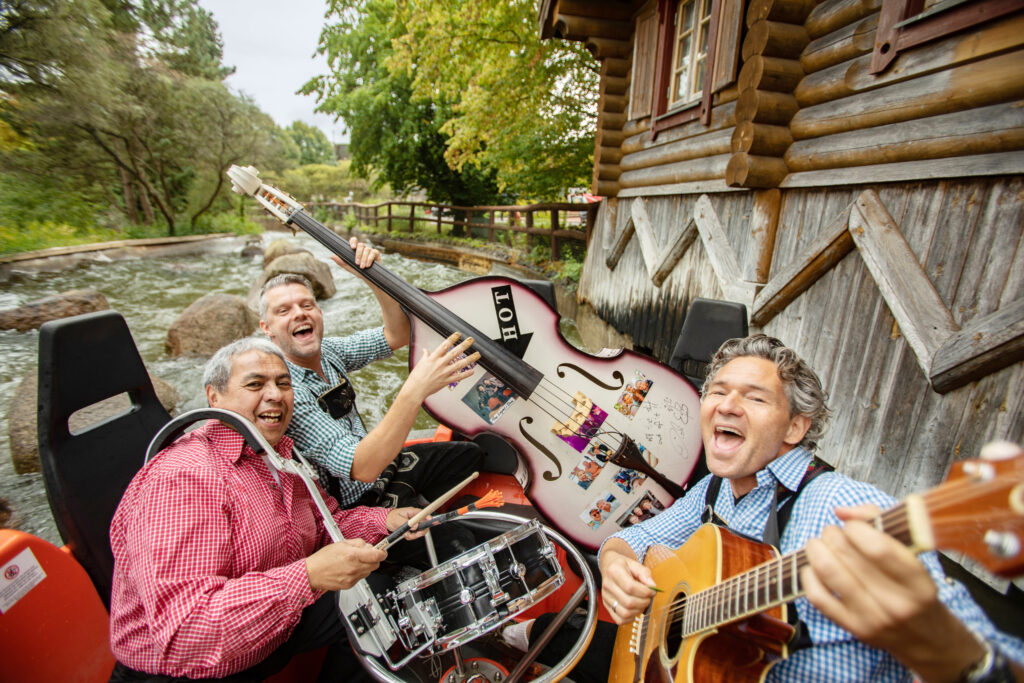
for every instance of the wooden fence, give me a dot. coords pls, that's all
(557, 221)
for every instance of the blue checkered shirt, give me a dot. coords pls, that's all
(836, 655)
(331, 444)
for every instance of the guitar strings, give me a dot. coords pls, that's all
(779, 571)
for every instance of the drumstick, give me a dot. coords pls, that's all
(419, 516)
(492, 499)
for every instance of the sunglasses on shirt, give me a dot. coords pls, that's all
(337, 401)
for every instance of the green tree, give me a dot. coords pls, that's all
(314, 147)
(517, 110)
(396, 137)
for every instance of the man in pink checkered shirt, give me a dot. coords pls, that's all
(223, 568)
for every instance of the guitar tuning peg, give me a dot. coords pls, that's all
(1002, 544)
(979, 471)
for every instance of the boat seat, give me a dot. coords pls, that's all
(708, 323)
(83, 360)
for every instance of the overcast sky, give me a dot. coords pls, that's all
(272, 45)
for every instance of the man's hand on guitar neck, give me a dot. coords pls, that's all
(625, 583)
(874, 587)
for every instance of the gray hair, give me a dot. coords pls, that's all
(280, 281)
(218, 368)
(799, 381)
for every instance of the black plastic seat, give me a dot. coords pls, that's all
(708, 323)
(82, 361)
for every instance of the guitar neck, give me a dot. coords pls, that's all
(773, 583)
(515, 373)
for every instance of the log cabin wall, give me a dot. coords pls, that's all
(872, 218)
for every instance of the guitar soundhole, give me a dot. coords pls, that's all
(673, 644)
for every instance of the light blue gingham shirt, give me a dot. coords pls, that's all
(836, 654)
(329, 443)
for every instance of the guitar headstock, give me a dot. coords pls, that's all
(247, 181)
(979, 510)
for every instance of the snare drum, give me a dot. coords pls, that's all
(480, 589)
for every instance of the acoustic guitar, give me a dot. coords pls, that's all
(607, 440)
(722, 613)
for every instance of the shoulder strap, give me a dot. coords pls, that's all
(775, 525)
(708, 516)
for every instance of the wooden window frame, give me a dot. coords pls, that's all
(661, 117)
(900, 28)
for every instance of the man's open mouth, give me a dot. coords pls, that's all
(273, 417)
(727, 437)
(303, 331)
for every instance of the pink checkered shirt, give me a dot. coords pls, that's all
(209, 570)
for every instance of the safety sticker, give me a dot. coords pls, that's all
(19, 576)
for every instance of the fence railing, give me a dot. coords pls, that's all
(557, 221)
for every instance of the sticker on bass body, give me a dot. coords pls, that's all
(646, 507)
(600, 510)
(489, 398)
(582, 424)
(633, 395)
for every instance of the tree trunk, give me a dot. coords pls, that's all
(130, 208)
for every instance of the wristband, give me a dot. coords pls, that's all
(991, 668)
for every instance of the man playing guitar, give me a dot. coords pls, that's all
(873, 610)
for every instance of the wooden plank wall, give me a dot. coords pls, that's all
(890, 427)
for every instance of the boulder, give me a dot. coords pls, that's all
(63, 305)
(209, 323)
(21, 420)
(280, 248)
(253, 249)
(317, 272)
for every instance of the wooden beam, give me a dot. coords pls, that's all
(831, 15)
(1003, 163)
(789, 11)
(764, 222)
(840, 46)
(821, 255)
(770, 73)
(676, 251)
(774, 39)
(620, 245)
(765, 106)
(749, 170)
(720, 253)
(645, 233)
(987, 344)
(923, 318)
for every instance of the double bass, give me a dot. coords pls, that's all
(607, 440)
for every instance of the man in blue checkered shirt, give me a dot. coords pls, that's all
(360, 466)
(873, 611)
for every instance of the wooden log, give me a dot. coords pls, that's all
(969, 86)
(820, 256)
(721, 117)
(924, 320)
(787, 11)
(708, 144)
(602, 48)
(1003, 163)
(608, 155)
(637, 126)
(831, 15)
(581, 27)
(615, 85)
(986, 130)
(747, 170)
(612, 103)
(769, 73)
(764, 222)
(852, 77)
(760, 139)
(774, 39)
(605, 188)
(619, 247)
(764, 106)
(609, 137)
(706, 168)
(613, 120)
(608, 172)
(676, 250)
(600, 10)
(721, 254)
(985, 345)
(615, 66)
(840, 46)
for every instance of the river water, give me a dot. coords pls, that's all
(150, 293)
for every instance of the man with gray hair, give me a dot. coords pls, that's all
(356, 464)
(873, 611)
(222, 565)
